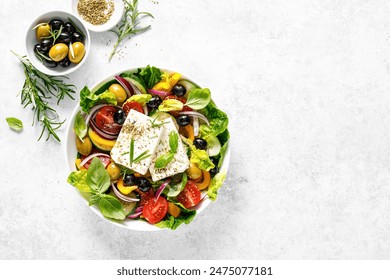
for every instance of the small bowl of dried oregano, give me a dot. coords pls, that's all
(98, 15)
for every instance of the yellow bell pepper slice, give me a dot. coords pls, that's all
(206, 180)
(124, 189)
(167, 81)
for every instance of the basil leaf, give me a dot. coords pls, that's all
(111, 207)
(163, 160)
(97, 176)
(174, 190)
(14, 123)
(80, 127)
(170, 105)
(94, 199)
(173, 141)
(78, 179)
(150, 75)
(198, 98)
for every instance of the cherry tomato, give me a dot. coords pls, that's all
(155, 211)
(105, 160)
(190, 196)
(183, 100)
(132, 105)
(105, 120)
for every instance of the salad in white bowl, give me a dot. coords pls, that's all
(148, 148)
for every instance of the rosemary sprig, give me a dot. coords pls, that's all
(37, 89)
(129, 23)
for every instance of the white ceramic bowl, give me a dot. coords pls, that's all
(31, 40)
(116, 16)
(71, 153)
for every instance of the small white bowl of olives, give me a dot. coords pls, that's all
(57, 43)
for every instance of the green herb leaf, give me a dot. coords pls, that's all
(142, 156)
(80, 127)
(78, 179)
(97, 176)
(14, 123)
(130, 23)
(111, 207)
(163, 160)
(170, 105)
(89, 99)
(198, 98)
(173, 141)
(131, 150)
(94, 199)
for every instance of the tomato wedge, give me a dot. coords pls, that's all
(132, 105)
(145, 196)
(190, 195)
(155, 211)
(104, 120)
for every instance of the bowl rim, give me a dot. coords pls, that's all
(104, 27)
(136, 225)
(40, 66)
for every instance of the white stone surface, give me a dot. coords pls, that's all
(306, 85)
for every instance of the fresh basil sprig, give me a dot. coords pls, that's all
(14, 123)
(96, 181)
(163, 160)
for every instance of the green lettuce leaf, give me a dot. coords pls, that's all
(218, 120)
(78, 179)
(186, 216)
(80, 127)
(215, 184)
(201, 159)
(140, 98)
(150, 75)
(89, 99)
(170, 105)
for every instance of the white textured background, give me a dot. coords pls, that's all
(306, 85)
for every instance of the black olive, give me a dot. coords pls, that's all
(129, 180)
(119, 116)
(65, 38)
(56, 24)
(143, 184)
(38, 49)
(46, 44)
(200, 143)
(183, 120)
(154, 102)
(214, 170)
(50, 63)
(65, 62)
(68, 27)
(179, 90)
(77, 37)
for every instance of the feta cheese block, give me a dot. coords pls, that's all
(146, 137)
(180, 162)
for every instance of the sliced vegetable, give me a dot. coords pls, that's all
(84, 146)
(99, 142)
(136, 84)
(132, 105)
(89, 99)
(161, 189)
(173, 210)
(205, 182)
(190, 195)
(155, 210)
(121, 196)
(80, 126)
(126, 85)
(104, 158)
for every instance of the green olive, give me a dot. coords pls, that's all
(43, 31)
(114, 171)
(58, 52)
(84, 148)
(119, 92)
(194, 172)
(78, 52)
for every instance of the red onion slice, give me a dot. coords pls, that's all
(161, 188)
(93, 111)
(135, 215)
(134, 88)
(196, 114)
(195, 124)
(162, 94)
(126, 85)
(102, 133)
(121, 196)
(88, 158)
